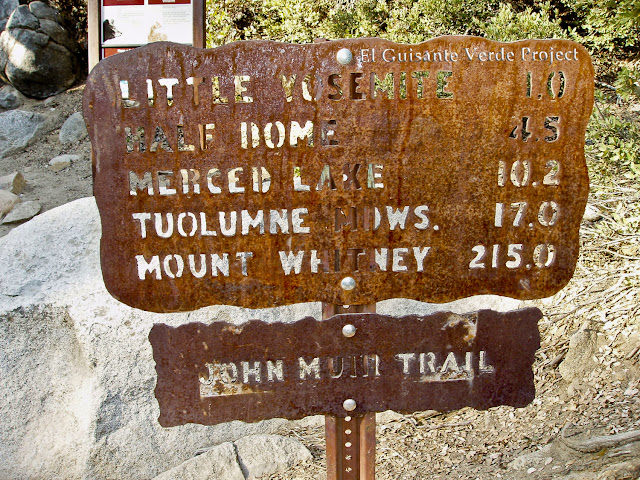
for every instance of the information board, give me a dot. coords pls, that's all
(210, 374)
(127, 23)
(260, 174)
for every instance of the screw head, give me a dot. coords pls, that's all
(349, 405)
(348, 330)
(348, 283)
(344, 56)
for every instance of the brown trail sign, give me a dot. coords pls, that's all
(260, 174)
(209, 374)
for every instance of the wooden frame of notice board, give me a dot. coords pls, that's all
(129, 24)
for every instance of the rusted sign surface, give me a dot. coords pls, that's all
(217, 373)
(261, 174)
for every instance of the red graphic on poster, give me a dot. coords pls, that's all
(107, 52)
(120, 3)
(169, 2)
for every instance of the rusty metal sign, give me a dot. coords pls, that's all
(350, 364)
(260, 174)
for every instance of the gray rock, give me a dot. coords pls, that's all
(14, 183)
(19, 129)
(592, 213)
(22, 18)
(388, 416)
(399, 307)
(219, 462)
(260, 455)
(37, 54)
(44, 11)
(62, 161)
(73, 129)
(7, 201)
(583, 345)
(6, 7)
(81, 404)
(10, 98)
(22, 211)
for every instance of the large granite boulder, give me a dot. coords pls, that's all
(77, 369)
(38, 55)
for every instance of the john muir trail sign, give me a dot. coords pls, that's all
(260, 174)
(209, 374)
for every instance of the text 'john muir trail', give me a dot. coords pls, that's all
(242, 377)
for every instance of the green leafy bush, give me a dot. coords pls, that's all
(302, 21)
(628, 83)
(509, 25)
(614, 142)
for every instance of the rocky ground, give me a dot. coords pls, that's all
(585, 420)
(51, 185)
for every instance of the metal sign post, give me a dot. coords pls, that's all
(350, 440)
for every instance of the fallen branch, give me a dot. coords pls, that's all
(448, 425)
(595, 444)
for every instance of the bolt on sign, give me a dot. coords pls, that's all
(259, 174)
(357, 363)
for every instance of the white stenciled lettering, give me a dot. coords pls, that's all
(198, 265)
(195, 271)
(420, 254)
(445, 366)
(406, 361)
(309, 369)
(275, 370)
(291, 261)
(397, 217)
(142, 218)
(252, 222)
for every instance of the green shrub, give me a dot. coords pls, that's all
(302, 21)
(509, 25)
(614, 142)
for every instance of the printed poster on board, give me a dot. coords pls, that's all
(129, 23)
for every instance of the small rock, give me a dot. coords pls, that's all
(21, 212)
(260, 455)
(7, 201)
(582, 348)
(73, 129)
(218, 462)
(10, 98)
(19, 129)
(635, 107)
(14, 183)
(62, 161)
(591, 214)
(52, 101)
(528, 460)
(388, 416)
